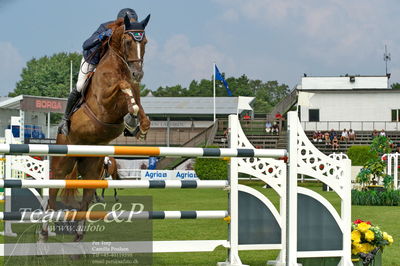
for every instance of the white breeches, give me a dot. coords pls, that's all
(83, 73)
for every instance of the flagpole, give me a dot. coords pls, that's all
(214, 92)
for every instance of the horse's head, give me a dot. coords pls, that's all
(129, 40)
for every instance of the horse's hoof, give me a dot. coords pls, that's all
(98, 199)
(116, 198)
(43, 237)
(78, 237)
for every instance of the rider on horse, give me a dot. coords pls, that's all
(91, 57)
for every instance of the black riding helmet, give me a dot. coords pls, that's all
(127, 11)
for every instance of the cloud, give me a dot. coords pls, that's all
(11, 64)
(177, 61)
(332, 33)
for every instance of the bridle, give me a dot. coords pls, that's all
(137, 36)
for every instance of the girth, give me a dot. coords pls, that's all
(93, 117)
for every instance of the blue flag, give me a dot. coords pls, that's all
(218, 76)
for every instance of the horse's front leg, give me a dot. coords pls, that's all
(144, 125)
(144, 122)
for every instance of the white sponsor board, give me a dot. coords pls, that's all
(168, 175)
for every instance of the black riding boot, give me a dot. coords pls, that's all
(73, 98)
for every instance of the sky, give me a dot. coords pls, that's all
(264, 39)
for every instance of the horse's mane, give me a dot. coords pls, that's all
(117, 28)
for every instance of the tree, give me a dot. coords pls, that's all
(395, 86)
(267, 94)
(48, 75)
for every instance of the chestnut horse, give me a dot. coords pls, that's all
(110, 170)
(112, 93)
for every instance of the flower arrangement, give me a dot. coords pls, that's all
(365, 237)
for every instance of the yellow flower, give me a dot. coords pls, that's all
(369, 235)
(390, 239)
(357, 248)
(385, 236)
(368, 247)
(356, 236)
(354, 251)
(363, 227)
(363, 248)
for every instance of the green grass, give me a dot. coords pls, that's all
(386, 217)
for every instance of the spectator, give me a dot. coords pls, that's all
(382, 133)
(275, 128)
(224, 139)
(315, 136)
(352, 135)
(332, 134)
(335, 143)
(345, 136)
(398, 147)
(374, 134)
(391, 144)
(268, 127)
(327, 139)
(246, 118)
(319, 136)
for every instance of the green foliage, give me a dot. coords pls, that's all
(267, 94)
(377, 169)
(363, 176)
(374, 167)
(211, 168)
(376, 198)
(48, 75)
(380, 145)
(359, 155)
(388, 181)
(395, 86)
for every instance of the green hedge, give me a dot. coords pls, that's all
(375, 198)
(211, 169)
(359, 155)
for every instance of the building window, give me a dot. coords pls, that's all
(395, 115)
(313, 115)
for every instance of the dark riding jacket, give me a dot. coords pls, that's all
(91, 51)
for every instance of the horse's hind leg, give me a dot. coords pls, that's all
(102, 193)
(90, 169)
(61, 166)
(115, 195)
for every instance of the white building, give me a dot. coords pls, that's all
(357, 102)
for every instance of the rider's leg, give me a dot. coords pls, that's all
(75, 95)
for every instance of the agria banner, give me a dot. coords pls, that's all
(168, 174)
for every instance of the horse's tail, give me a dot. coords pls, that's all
(68, 195)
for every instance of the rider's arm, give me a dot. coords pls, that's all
(95, 38)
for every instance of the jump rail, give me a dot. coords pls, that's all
(40, 217)
(132, 151)
(94, 184)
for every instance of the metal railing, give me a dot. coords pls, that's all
(355, 125)
(284, 105)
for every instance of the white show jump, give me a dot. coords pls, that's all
(292, 227)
